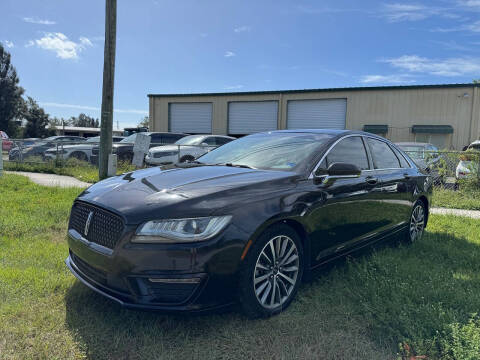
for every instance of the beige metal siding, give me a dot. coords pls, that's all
(397, 108)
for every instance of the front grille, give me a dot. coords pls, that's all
(105, 228)
(93, 273)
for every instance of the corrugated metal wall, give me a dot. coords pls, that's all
(397, 108)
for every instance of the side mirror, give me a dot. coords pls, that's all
(343, 169)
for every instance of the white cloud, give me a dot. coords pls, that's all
(9, 44)
(406, 12)
(473, 27)
(445, 67)
(387, 79)
(233, 87)
(61, 45)
(229, 54)
(242, 28)
(91, 108)
(470, 3)
(85, 41)
(36, 20)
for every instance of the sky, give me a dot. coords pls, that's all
(187, 46)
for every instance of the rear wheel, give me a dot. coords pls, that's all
(417, 222)
(271, 273)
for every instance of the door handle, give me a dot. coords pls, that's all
(371, 180)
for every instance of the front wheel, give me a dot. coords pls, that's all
(417, 222)
(271, 273)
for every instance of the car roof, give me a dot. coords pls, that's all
(476, 142)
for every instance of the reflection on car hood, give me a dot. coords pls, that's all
(183, 192)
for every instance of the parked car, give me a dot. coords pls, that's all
(81, 151)
(6, 143)
(124, 148)
(39, 147)
(21, 144)
(468, 164)
(426, 156)
(186, 149)
(244, 222)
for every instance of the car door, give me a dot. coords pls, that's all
(342, 209)
(395, 175)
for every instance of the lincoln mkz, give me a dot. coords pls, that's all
(246, 222)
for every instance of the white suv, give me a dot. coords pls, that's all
(187, 148)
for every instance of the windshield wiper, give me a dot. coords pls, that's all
(236, 165)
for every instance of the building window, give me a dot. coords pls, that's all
(438, 135)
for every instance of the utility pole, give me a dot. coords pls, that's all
(107, 92)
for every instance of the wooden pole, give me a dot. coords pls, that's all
(107, 92)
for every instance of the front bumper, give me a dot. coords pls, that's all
(159, 277)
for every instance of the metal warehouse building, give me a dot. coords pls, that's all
(445, 115)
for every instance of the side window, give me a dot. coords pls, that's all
(210, 141)
(349, 150)
(223, 141)
(403, 162)
(382, 156)
(157, 139)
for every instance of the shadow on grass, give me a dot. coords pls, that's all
(361, 307)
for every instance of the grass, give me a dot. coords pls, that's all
(422, 297)
(73, 167)
(461, 199)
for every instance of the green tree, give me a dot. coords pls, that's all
(37, 120)
(144, 122)
(11, 101)
(84, 120)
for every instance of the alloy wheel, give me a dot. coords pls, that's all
(276, 272)
(417, 222)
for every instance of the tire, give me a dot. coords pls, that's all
(259, 276)
(186, 158)
(80, 156)
(416, 225)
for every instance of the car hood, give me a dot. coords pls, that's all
(185, 192)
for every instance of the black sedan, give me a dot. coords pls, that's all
(245, 222)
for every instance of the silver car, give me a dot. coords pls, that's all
(81, 151)
(186, 149)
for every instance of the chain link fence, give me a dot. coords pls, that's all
(76, 153)
(450, 168)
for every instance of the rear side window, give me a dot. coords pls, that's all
(349, 150)
(382, 155)
(222, 141)
(403, 162)
(210, 141)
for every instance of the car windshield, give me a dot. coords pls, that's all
(190, 140)
(95, 139)
(275, 151)
(474, 147)
(130, 139)
(415, 152)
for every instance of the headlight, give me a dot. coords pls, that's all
(180, 230)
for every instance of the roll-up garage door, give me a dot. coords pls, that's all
(193, 118)
(248, 117)
(316, 114)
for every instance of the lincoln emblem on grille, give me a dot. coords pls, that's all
(87, 224)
